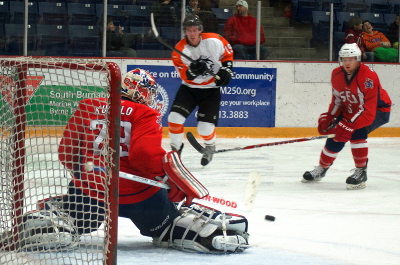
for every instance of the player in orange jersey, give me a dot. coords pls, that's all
(359, 105)
(212, 53)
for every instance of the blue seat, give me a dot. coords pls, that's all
(222, 14)
(84, 40)
(389, 18)
(120, 2)
(321, 26)
(18, 15)
(138, 17)
(116, 12)
(379, 6)
(53, 39)
(355, 6)
(53, 13)
(326, 5)
(304, 10)
(338, 41)
(343, 18)
(138, 30)
(82, 14)
(5, 16)
(15, 38)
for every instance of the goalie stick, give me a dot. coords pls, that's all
(192, 140)
(166, 44)
(222, 204)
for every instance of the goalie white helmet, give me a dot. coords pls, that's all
(350, 50)
(140, 86)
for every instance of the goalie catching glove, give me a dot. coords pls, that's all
(182, 183)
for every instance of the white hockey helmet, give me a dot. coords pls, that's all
(140, 86)
(350, 50)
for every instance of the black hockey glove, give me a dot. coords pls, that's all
(197, 68)
(225, 74)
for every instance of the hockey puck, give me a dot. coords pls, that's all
(270, 218)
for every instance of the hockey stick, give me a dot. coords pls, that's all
(219, 203)
(192, 140)
(166, 44)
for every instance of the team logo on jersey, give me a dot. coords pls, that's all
(162, 100)
(209, 62)
(368, 83)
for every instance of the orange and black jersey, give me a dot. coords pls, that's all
(213, 49)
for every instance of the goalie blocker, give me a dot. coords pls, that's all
(190, 227)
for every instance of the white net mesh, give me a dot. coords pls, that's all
(38, 97)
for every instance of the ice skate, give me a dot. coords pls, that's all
(357, 180)
(208, 155)
(314, 175)
(174, 148)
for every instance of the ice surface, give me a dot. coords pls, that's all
(316, 223)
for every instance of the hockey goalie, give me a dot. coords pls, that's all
(158, 213)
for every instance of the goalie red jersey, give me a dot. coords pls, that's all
(140, 147)
(355, 98)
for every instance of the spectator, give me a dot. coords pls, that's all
(353, 34)
(118, 44)
(192, 7)
(377, 43)
(393, 33)
(165, 13)
(208, 4)
(240, 31)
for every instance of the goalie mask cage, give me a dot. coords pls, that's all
(38, 96)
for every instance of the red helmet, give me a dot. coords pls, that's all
(140, 86)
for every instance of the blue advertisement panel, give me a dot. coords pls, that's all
(248, 101)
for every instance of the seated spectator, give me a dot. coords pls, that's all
(354, 34)
(240, 31)
(118, 44)
(165, 13)
(192, 7)
(393, 33)
(208, 4)
(377, 43)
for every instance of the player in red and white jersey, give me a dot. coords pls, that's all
(359, 105)
(153, 210)
(212, 53)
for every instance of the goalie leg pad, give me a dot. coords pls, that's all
(179, 174)
(48, 230)
(205, 230)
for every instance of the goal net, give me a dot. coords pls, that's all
(38, 97)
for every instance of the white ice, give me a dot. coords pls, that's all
(319, 223)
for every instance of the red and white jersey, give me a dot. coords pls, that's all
(213, 48)
(359, 98)
(140, 147)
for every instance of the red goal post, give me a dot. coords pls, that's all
(38, 96)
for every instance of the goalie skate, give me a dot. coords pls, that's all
(357, 180)
(234, 243)
(48, 230)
